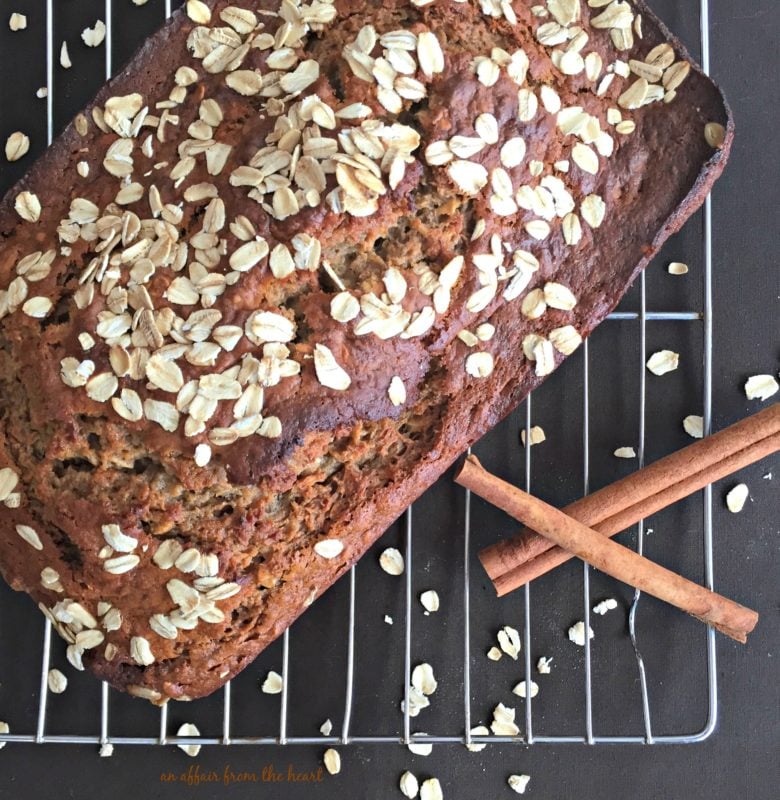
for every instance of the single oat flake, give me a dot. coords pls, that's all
(391, 561)
(431, 790)
(189, 729)
(198, 12)
(329, 548)
(420, 748)
(625, 452)
(94, 36)
(430, 601)
(509, 641)
(543, 665)
(518, 783)
(504, 721)
(478, 747)
(17, 22)
(737, 497)
(65, 61)
(273, 683)
(56, 681)
(408, 785)
(332, 760)
(423, 679)
(537, 435)
(761, 387)
(521, 689)
(577, 633)
(663, 361)
(17, 146)
(694, 426)
(610, 604)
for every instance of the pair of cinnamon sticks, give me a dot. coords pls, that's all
(584, 528)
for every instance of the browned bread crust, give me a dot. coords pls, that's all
(304, 452)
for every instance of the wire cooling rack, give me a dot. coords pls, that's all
(466, 669)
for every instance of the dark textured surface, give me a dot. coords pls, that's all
(740, 760)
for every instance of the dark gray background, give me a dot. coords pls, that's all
(739, 760)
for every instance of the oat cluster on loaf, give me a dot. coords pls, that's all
(284, 269)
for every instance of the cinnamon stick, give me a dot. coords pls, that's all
(609, 556)
(526, 556)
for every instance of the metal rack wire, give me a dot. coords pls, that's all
(346, 735)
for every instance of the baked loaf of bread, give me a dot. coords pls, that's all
(285, 269)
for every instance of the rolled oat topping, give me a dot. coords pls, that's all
(313, 142)
(215, 279)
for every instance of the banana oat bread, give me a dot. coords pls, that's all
(288, 265)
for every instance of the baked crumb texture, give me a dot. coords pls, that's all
(285, 268)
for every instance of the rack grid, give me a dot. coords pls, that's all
(346, 736)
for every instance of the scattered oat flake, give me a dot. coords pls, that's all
(65, 61)
(431, 790)
(106, 750)
(388, 619)
(94, 36)
(189, 729)
(577, 633)
(509, 641)
(430, 600)
(543, 665)
(494, 654)
(273, 683)
(420, 748)
(423, 679)
(417, 702)
(326, 727)
(610, 604)
(736, 498)
(663, 361)
(761, 387)
(17, 21)
(518, 783)
(694, 426)
(537, 435)
(477, 747)
(332, 761)
(677, 268)
(625, 452)
(521, 689)
(504, 721)
(408, 785)
(42, 92)
(57, 682)
(391, 561)
(17, 146)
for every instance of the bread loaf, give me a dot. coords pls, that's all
(284, 269)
